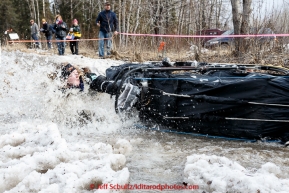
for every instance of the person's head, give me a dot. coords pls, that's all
(58, 18)
(75, 22)
(43, 20)
(73, 78)
(72, 74)
(107, 6)
(31, 21)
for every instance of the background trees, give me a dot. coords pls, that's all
(146, 16)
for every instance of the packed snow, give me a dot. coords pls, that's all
(220, 174)
(55, 141)
(35, 158)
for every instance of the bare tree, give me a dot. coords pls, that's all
(71, 10)
(119, 21)
(236, 22)
(241, 20)
(128, 20)
(37, 8)
(43, 2)
(245, 24)
(123, 18)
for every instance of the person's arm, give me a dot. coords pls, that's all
(64, 26)
(53, 28)
(76, 29)
(36, 28)
(98, 20)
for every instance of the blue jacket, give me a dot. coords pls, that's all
(108, 21)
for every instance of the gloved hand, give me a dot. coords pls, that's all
(81, 86)
(90, 77)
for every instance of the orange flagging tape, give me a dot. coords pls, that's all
(27, 41)
(163, 35)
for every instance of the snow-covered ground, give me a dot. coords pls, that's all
(72, 142)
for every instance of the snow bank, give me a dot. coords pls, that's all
(38, 159)
(216, 174)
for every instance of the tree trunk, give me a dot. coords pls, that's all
(119, 21)
(180, 16)
(128, 20)
(218, 13)
(204, 24)
(245, 28)
(37, 7)
(212, 5)
(182, 19)
(137, 16)
(136, 24)
(34, 11)
(112, 5)
(123, 19)
(236, 22)
(30, 8)
(71, 10)
(190, 18)
(43, 8)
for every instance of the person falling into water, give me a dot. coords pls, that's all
(73, 77)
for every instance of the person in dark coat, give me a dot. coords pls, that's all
(75, 29)
(47, 32)
(60, 28)
(108, 23)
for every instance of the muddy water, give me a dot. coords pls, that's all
(159, 158)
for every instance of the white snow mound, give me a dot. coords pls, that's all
(38, 159)
(216, 174)
(122, 146)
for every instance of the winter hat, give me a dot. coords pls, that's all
(43, 20)
(75, 21)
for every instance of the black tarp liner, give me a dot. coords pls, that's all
(214, 101)
(218, 96)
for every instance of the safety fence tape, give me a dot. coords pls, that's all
(208, 36)
(164, 35)
(28, 41)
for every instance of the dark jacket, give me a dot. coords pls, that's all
(60, 29)
(108, 21)
(76, 31)
(46, 29)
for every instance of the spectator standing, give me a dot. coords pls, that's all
(34, 32)
(47, 31)
(108, 23)
(75, 29)
(59, 28)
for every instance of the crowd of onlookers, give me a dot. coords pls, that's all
(59, 28)
(106, 20)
